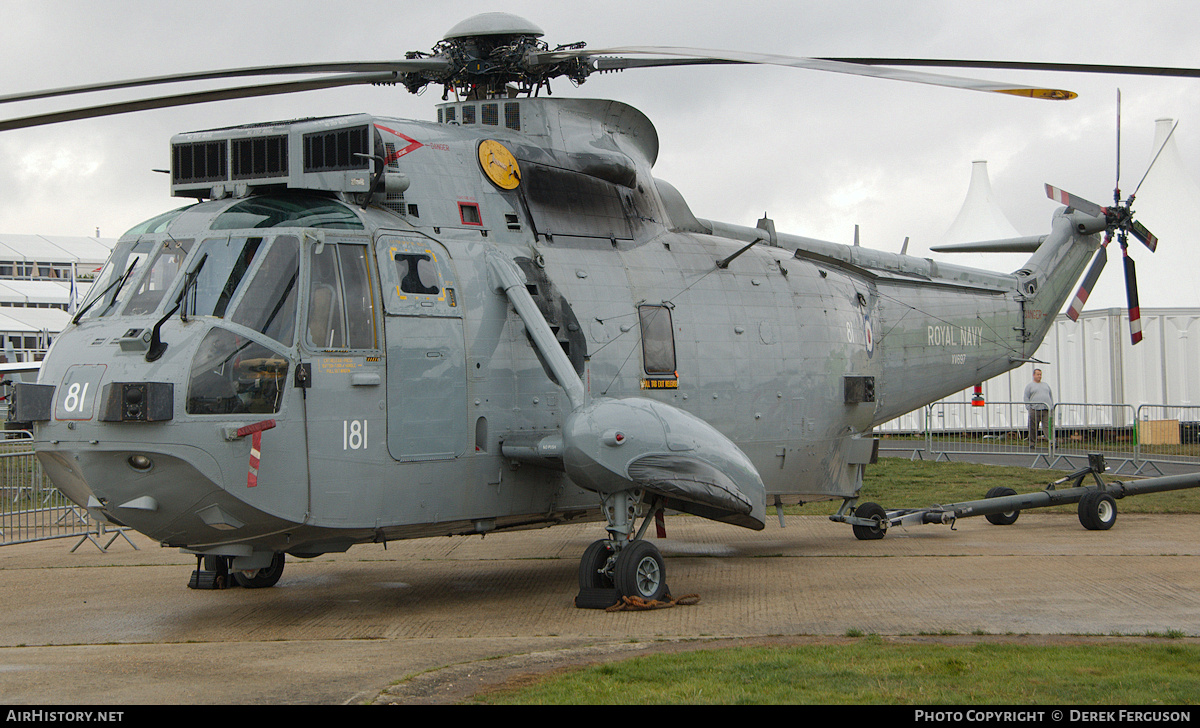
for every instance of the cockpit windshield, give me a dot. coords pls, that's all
(248, 280)
(125, 264)
(231, 265)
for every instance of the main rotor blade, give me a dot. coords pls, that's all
(1026, 66)
(818, 64)
(408, 65)
(1072, 201)
(1089, 282)
(198, 97)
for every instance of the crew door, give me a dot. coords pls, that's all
(426, 354)
(343, 381)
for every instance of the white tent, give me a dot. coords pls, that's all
(980, 217)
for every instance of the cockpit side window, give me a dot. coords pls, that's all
(234, 375)
(358, 295)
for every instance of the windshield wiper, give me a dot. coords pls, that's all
(157, 347)
(118, 283)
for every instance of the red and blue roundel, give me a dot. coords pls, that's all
(868, 335)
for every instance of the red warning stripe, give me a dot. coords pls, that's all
(256, 430)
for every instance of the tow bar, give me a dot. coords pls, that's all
(1001, 506)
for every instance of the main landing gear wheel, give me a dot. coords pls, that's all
(1007, 518)
(1097, 511)
(261, 578)
(640, 572)
(870, 533)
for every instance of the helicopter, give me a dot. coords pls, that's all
(365, 329)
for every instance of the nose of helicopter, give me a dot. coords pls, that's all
(156, 492)
(153, 445)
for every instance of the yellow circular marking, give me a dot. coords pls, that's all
(499, 164)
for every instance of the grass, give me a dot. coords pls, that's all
(870, 670)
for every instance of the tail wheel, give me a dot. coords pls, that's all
(261, 578)
(1097, 511)
(872, 511)
(640, 572)
(1007, 518)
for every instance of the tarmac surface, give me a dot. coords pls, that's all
(436, 619)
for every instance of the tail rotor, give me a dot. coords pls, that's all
(1119, 223)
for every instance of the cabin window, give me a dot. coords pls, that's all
(269, 304)
(417, 273)
(340, 301)
(469, 214)
(234, 375)
(658, 340)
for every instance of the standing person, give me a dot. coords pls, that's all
(1039, 399)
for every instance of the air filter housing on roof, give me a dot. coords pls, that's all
(330, 154)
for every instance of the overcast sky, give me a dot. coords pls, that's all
(818, 152)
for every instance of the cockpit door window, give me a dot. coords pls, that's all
(340, 299)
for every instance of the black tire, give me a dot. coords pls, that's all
(267, 576)
(1097, 511)
(594, 558)
(1007, 518)
(640, 572)
(870, 533)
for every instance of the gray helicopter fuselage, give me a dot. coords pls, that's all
(340, 373)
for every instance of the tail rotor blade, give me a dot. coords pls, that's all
(1089, 282)
(1135, 311)
(1141, 233)
(1066, 198)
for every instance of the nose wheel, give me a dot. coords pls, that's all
(607, 573)
(640, 572)
(622, 565)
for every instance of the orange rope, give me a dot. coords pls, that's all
(637, 604)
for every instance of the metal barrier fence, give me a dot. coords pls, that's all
(1134, 441)
(1168, 433)
(32, 509)
(1080, 428)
